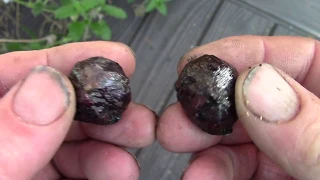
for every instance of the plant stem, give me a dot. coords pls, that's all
(22, 3)
(24, 40)
(18, 20)
(86, 32)
(30, 6)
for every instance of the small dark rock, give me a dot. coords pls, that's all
(206, 90)
(102, 91)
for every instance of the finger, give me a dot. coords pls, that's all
(238, 135)
(48, 172)
(34, 122)
(282, 119)
(222, 162)
(176, 133)
(293, 55)
(299, 57)
(14, 66)
(76, 132)
(136, 129)
(96, 160)
(267, 169)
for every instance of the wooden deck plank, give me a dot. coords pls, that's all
(289, 31)
(160, 44)
(303, 14)
(125, 30)
(233, 19)
(157, 163)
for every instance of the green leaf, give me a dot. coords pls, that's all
(151, 6)
(34, 46)
(101, 29)
(76, 30)
(115, 11)
(65, 12)
(130, 1)
(76, 4)
(162, 8)
(65, 2)
(14, 47)
(52, 7)
(28, 31)
(89, 4)
(37, 8)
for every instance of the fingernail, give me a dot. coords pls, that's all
(42, 97)
(268, 96)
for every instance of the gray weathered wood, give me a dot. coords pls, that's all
(289, 31)
(125, 30)
(160, 44)
(233, 19)
(303, 14)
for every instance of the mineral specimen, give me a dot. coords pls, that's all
(102, 91)
(206, 91)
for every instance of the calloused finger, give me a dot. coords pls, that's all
(223, 162)
(16, 65)
(96, 160)
(136, 128)
(299, 57)
(176, 133)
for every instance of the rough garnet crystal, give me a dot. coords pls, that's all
(206, 91)
(102, 90)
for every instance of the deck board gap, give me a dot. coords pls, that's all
(211, 21)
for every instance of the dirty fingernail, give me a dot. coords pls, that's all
(268, 96)
(42, 97)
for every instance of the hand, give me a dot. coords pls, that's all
(277, 135)
(38, 137)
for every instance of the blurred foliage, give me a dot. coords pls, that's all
(64, 21)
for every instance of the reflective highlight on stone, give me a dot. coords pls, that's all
(102, 91)
(206, 90)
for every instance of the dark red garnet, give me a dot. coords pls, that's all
(102, 90)
(206, 90)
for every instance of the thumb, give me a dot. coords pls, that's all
(35, 116)
(282, 119)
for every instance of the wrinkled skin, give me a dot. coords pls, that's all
(206, 91)
(102, 91)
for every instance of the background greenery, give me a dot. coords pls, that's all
(63, 21)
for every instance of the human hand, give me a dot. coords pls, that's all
(285, 144)
(38, 137)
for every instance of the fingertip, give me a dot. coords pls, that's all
(209, 164)
(136, 128)
(75, 52)
(240, 51)
(176, 133)
(95, 160)
(130, 64)
(281, 117)
(105, 161)
(223, 162)
(36, 112)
